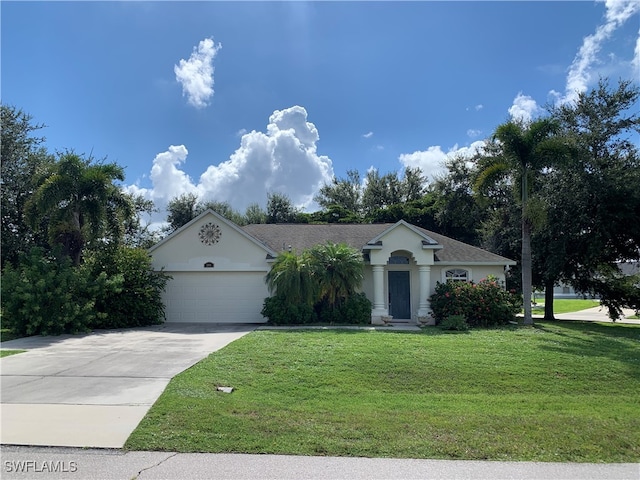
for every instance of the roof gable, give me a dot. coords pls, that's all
(219, 218)
(427, 241)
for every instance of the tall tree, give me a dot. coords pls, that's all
(456, 210)
(594, 199)
(255, 214)
(413, 184)
(22, 159)
(138, 233)
(343, 192)
(280, 209)
(181, 210)
(520, 151)
(81, 204)
(417, 212)
(224, 209)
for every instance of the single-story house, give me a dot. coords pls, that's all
(564, 290)
(219, 268)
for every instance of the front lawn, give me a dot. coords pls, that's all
(553, 392)
(567, 305)
(6, 353)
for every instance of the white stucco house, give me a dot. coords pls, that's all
(218, 267)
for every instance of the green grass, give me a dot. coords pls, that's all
(6, 353)
(568, 305)
(553, 392)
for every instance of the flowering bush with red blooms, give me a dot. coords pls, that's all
(484, 304)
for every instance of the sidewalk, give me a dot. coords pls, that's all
(595, 314)
(70, 463)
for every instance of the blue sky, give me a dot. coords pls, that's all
(231, 100)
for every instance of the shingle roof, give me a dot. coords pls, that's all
(279, 237)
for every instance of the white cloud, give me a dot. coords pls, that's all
(580, 71)
(284, 159)
(241, 132)
(479, 107)
(431, 161)
(167, 179)
(524, 108)
(471, 133)
(368, 135)
(196, 74)
(636, 58)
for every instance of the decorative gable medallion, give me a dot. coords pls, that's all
(210, 233)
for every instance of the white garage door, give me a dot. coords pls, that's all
(215, 297)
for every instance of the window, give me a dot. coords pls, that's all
(457, 275)
(398, 260)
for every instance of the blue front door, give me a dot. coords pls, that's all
(399, 296)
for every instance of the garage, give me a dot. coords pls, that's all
(215, 297)
(217, 272)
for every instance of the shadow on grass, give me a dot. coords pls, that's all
(617, 342)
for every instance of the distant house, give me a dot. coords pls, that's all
(564, 290)
(218, 268)
(629, 268)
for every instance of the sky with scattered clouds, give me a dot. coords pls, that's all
(233, 100)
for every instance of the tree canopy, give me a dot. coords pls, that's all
(81, 203)
(593, 198)
(23, 159)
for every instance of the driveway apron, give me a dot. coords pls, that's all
(92, 390)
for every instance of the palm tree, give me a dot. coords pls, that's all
(518, 152)
(291, 277)
(80, 203)
(338, 270)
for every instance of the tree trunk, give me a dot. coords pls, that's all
(548, 300)
(526, 271)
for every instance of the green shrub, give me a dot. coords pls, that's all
(280, 311)
(484, 304)
(46, 296)
(138, 301)
(318, 284)
(354, 309)
(114, 288)
(455, 322)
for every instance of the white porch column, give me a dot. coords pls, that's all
(425, 287)
(378, 310)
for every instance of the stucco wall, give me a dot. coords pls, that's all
(478, 272)
(233, 252)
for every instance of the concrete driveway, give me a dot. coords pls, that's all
(92, 390)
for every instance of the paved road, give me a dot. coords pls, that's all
(37, 463)
(93, 390)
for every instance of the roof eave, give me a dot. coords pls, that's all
(471, 262)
